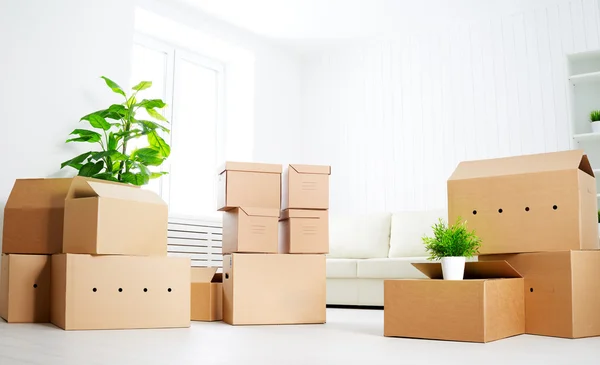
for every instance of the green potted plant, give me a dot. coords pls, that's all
(452, 244)
(116, 129)
(595, 120)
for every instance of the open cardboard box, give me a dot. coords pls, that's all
(487, 306)
(248, 229)
(305, 187)
(247, 184)
(206, 294)
(304, 231)
(532, 203)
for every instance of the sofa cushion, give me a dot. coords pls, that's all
(408, 229)
(359, 237)
(393, 268)
(341, 268)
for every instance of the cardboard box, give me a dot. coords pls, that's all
(245, 184)
(120, 292)
(305, 187)
(108, 218)
(207, 294)
(543, 202)
(273, 289)
(304, 231)
(25, 288)
(250, 230)
(562, 292)
(487, 306)
(33, 216)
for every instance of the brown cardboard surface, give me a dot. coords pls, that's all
(273, 289)
(474, 310)
(250, 230)
(109, 218)
(242, 184)
(76, 306)
(206, 294)
(305, 187)
(562, 293)
(33, 216)
(543, 202)
(304, 231)
(25, 288)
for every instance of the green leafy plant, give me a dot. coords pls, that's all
(117, 126)
(599, 216)
(595, 116)
(451, 240)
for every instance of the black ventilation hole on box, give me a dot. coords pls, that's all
(554, 207)
(145, 290)
(527, 209)
(35, 286)
(169, 290)
(120, 290)
(94, 290)
(531, 290)
(500, 210)
(226, 276)
(474, 212)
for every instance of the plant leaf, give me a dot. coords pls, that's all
(106, 176)
(91, 169)
(112, 142)
(148, 156)
(113, 86)
(149, 126)
(97, 121)
(153, 113)
(143, 85)
(85, 136)
(159, 144)
(131, 101)
(151, 104)
(135, 179)
(156, 175)
(75, 162)
(112, 154)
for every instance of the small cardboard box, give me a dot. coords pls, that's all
(120, 292)
(250, 230)
(487, 306)
(33, 216)
(543, 202)
(304, 231)
(305, 187)
(207, 294)
(562, 292)
(25, 288)
(114, 219)
(273, 289)
(245, 184)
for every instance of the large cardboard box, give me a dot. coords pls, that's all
(304, 231)
(120, 292)
(487, 306)
(206, 294)
(108, 218)
(273, 289)
(246, 184)
(33, 216)
(250, 230)
(543, 202)
(25, 288)
(562, 291)
(305, 187)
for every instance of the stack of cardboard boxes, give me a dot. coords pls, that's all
(90, 254)
(274, 271)
(539, 265)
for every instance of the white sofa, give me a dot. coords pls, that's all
(365, 250)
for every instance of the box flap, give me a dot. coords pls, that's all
(38, 193)
(86, 188)
(544, 162)
(312, 169)
(260, 212)
(473, 270)
(203, 274)
(250, 167)
(301, 213)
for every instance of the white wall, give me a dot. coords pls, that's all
(53, 54)
(394, 117)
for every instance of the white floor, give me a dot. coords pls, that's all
(349, 337)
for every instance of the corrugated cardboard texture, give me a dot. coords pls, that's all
(273, 289)
(102, 218)
(305, 187)
(25, 288)
(206, 294)
(562, 293)
(255, 185)
(304, 231)
(33, 216)
(528, 203)
(120, 292)
(250, 230)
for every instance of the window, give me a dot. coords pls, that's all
(192, 86)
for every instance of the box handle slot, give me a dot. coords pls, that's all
(226, 275)
(94, 290)
(35, 286)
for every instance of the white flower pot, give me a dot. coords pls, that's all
(453, 268)
(596, 127)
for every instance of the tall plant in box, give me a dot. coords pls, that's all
(115, 129)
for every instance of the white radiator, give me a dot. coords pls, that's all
(198, 239)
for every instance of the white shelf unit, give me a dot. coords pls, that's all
(584, 96)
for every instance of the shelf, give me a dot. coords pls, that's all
(586, 136)
(585, 78)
